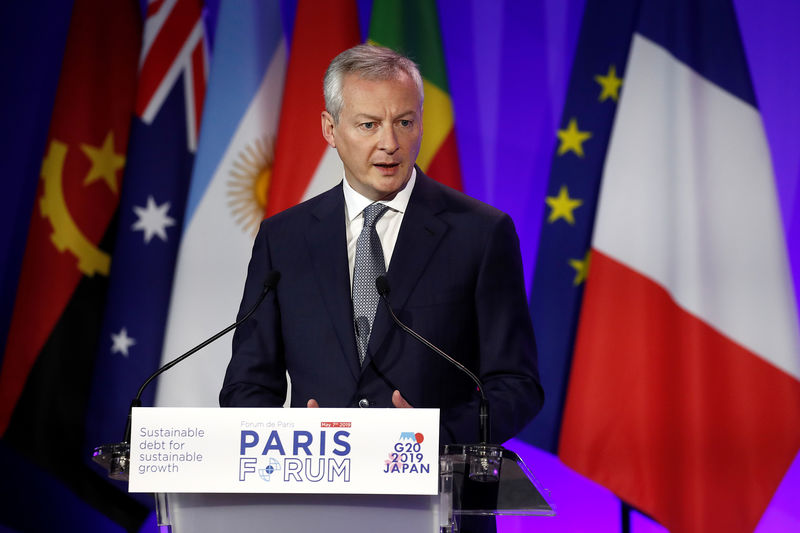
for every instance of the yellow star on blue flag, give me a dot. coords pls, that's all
(572, 139)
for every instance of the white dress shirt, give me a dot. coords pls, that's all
(388, 226)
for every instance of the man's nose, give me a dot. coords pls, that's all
(388, 140)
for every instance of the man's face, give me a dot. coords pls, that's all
(378, 134)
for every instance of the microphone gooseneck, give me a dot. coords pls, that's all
(382, 284)
(271, 281)
(120, 451)
(269, 284)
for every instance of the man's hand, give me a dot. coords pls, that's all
(312, 403)
(400, 402)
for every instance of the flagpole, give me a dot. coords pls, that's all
(626, 509)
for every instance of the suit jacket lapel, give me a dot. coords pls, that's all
(420, 234)
(327, 244)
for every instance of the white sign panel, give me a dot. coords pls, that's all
(323, 451)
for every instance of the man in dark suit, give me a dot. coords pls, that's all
(452, 264)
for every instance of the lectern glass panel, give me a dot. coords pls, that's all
(491, 482)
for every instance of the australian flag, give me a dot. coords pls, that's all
(173, 70)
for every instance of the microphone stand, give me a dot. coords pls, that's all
(484, 458)
(116, 457)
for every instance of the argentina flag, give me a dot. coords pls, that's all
(227, 196)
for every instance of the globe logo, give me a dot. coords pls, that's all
(272, 467)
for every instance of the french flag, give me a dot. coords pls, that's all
(684, 397)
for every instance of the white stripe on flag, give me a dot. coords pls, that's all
(329, 172)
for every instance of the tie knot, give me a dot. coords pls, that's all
(373, 212)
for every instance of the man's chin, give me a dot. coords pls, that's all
(391, 185)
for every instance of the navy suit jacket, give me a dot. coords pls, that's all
(455, 277)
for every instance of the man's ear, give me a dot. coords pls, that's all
(327, 129)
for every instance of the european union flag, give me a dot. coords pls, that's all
(563, 259)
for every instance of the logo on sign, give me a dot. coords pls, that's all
(301, 456)
(407, 456)
(266, 472)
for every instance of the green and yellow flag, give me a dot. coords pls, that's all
(412, 28)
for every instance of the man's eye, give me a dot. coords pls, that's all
(405, 123)
(368, 125)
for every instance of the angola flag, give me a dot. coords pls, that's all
(412, 28)
(51, 344)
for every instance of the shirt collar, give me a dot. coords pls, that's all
(356, 203)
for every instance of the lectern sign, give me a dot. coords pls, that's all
(344, 451)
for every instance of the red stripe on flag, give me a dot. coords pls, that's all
(153, 7)
(164, 50)
(445, 167)
(45, 286)
(198, 84)
(670, 414)
(321, 31)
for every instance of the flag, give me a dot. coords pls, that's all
(412, 28)
(51, 345)
(31, 50)
(304, 163)
(595, 85)
(226, 196)
(684, 397)
(171, 87)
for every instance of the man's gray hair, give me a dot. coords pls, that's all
(369, 62)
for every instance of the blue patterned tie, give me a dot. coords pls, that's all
(369, 264)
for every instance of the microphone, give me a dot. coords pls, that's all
(382, 284)
(116, 457)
